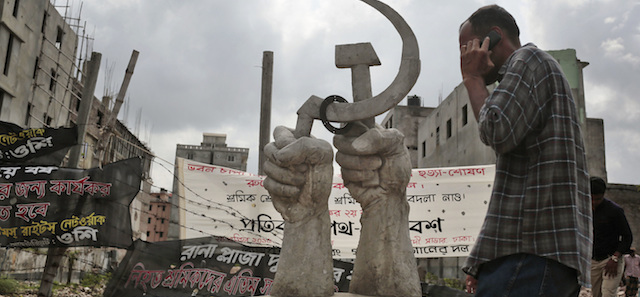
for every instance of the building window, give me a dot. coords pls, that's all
(148, 233)
(437, 136)
(35, 67)
(16, 5)
(100, 116)
(161, 221)
(448, 128)
(164, 207)
(59, 35)
(465, 113)
(44, 22)
(161, 234)
(149, 221)
(190, 155)
(424, 148)
(28, 115)
(389, 124)
(48, 120)
(52, 81)
(151, 207)
(2, 95)
(231, 158)
(7, 58)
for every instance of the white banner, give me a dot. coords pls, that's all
(448, 206)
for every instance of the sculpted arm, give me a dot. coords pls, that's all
(380, 154)
(299, 176)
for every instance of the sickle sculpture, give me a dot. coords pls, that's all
(334, 111)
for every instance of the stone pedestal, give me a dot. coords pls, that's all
(338, 295)
(427, 290)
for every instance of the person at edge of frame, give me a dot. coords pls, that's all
(612, 238)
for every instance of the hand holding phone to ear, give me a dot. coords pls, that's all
(475, 58)
(477, 68)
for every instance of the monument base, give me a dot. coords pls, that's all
(338, 295)
(427, 290)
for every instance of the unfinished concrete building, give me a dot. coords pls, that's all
(212, 150)
(42, 58)
(37, 55)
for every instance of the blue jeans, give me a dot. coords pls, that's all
(522, 275)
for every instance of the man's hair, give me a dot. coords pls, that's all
(598, 185)
(493, 15)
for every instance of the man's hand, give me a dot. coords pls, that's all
(471, 284)
(299, 174)
(475, 61)
(377, 155)
(475, 65)
(611, 269)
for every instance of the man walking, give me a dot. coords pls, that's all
(536, 237)
(612, 238)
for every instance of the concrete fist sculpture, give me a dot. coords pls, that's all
(385, 264)
(375, 167)
(299, 175)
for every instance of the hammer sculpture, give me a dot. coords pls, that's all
(359, 57)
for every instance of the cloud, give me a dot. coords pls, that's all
(614, 48)
(599, 99)
(199, 68)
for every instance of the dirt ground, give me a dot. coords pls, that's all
(587, 292)
(63, 292)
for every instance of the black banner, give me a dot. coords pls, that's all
(43, 206)
(19, 145)
(207, 266)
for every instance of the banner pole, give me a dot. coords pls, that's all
(55, 254)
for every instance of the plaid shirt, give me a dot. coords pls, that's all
(541, 201)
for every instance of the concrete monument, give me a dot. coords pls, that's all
(375, 168)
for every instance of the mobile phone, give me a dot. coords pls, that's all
(494, 38)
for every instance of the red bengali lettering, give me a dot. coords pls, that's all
(430, 173)
(266, 288)
(5, 191)
(60, 186)
(5, 213)
(338, 186)
(21, 212)
(255, 183)
(352, 213)
(462, 238)
(29, 212)
(435, 240)
(183, 275)
(22, 189)
(104, 189)
(231, 171)
(135, 275)
(453, 172)
(77, 186)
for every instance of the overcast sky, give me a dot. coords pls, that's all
(199, 68)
